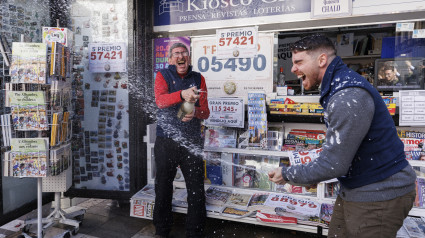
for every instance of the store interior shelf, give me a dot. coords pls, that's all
(251, 220)
(245, 151)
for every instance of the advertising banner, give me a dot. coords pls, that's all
(234, 77)
(162, 47)
(192, 12)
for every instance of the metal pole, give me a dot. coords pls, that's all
(39, 207)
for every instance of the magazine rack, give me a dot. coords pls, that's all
(60, 179)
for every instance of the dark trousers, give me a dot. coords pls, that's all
(370, 219)
(168, 155)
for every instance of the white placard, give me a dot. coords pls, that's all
(418, 33)
(405, 26)
(229, 112)
(237, 43)
(412, 108)
(107, 57)
(329, 8)
(234, 77)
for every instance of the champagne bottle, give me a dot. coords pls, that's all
(186, 108)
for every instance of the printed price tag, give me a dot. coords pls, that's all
(229, 112)
(107, 57)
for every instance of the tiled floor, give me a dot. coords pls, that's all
(110, 219)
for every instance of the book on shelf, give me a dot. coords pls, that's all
(29, 63)
(60, 159)
(217, 195)
(29, 157)
(245, 166)
(213, 168)
(345, 44)
(28, 110)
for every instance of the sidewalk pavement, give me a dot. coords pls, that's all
(106, 218)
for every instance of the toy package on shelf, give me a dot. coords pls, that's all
(28, 157)
(257, 119)
(29, 63)
(28, 110)
(289, 107)
(220, 137)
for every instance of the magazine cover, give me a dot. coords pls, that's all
(238, 200)
(29, 63)
(28, 110)
(29, 157)
(217, 195)
(257, 201)
(292, 206)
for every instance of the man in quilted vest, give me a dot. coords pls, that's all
(178, 142)
(362, 149)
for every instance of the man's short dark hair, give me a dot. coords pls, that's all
(313, 42)
(389, 67)
(176, 45)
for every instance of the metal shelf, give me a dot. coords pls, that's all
(247, 151)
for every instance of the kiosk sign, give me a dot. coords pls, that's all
(107, 57)
(229, 112)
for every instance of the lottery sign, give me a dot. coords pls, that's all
(107, 57)
(234, 76)
(237, 43)
(229, 112)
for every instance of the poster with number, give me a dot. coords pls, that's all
(235, 76)
(229, 112)
(162, 46)
(107, 57)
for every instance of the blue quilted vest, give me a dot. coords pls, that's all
(381, 153)
(167, 123)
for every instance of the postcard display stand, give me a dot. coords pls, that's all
(236, 177)
(36, 133)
